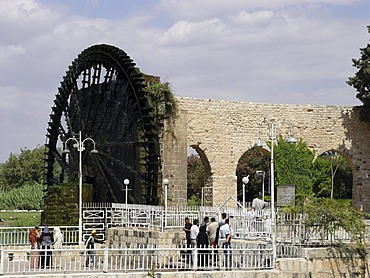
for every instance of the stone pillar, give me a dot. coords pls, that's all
(174, 155)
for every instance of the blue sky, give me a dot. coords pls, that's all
(281, 51)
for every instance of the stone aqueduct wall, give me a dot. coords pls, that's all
(224, 130)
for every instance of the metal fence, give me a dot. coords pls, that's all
(18, 236)
(289, 229)
(110, 260)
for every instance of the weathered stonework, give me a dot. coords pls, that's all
(224, 130)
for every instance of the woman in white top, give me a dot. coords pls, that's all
(58, 242)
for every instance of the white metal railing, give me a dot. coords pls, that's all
(18, 236)
(110, 260)
(246, 224)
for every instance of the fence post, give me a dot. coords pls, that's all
(195, 258)
(105, 260)
(2, 258)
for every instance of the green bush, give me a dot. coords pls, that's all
(26, 197)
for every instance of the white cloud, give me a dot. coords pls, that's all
(281, 51)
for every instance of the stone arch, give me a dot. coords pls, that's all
(349, 163)
(207, 194)
(250, 162)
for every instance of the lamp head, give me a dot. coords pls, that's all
(291, 139)
(94, 151)
(126, 181)
(166, 181)
(259, 143)
(65, 151)
(245, 180)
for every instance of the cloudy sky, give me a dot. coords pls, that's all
(266, 51)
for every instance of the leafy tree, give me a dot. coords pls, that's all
(322, 177)
(294, 165)
(253, 160)
(196, 178)
(24, 168)
(361, 80)
(332, 176)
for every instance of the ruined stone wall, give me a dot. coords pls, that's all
(224, 130)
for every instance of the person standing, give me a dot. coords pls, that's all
(205, 221)
(226, 245)
(90, 246)
(202, 244)
(33, 237)
(46, 240)
(58, 241)
(194, 231)
(187, 229)
(211, 230)
(225, 229)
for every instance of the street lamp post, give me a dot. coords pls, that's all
(272, 125)
(80, 146)
(245, 181)
(165, 183)
(126, 183)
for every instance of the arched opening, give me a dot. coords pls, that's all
(333, 176)
(199, 177)
(255, 164)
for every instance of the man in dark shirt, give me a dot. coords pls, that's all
(90, 244)
(186, 229)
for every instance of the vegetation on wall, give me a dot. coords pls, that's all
(294, 165)
(163, 99)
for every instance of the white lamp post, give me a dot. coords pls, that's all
(272, 135)
(245, 181)
(80, 146)
(165, 183)
(126, 183)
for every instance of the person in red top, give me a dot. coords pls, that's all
(33, 237)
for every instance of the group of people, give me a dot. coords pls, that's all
(41, 243)
(209, 233)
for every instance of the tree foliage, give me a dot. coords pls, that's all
(22, 169)
(196, 178)
(361, 80)
(294, 165)
(332, 176)
(329, 214)
(253, 160)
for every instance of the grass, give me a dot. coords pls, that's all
(20, 218)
